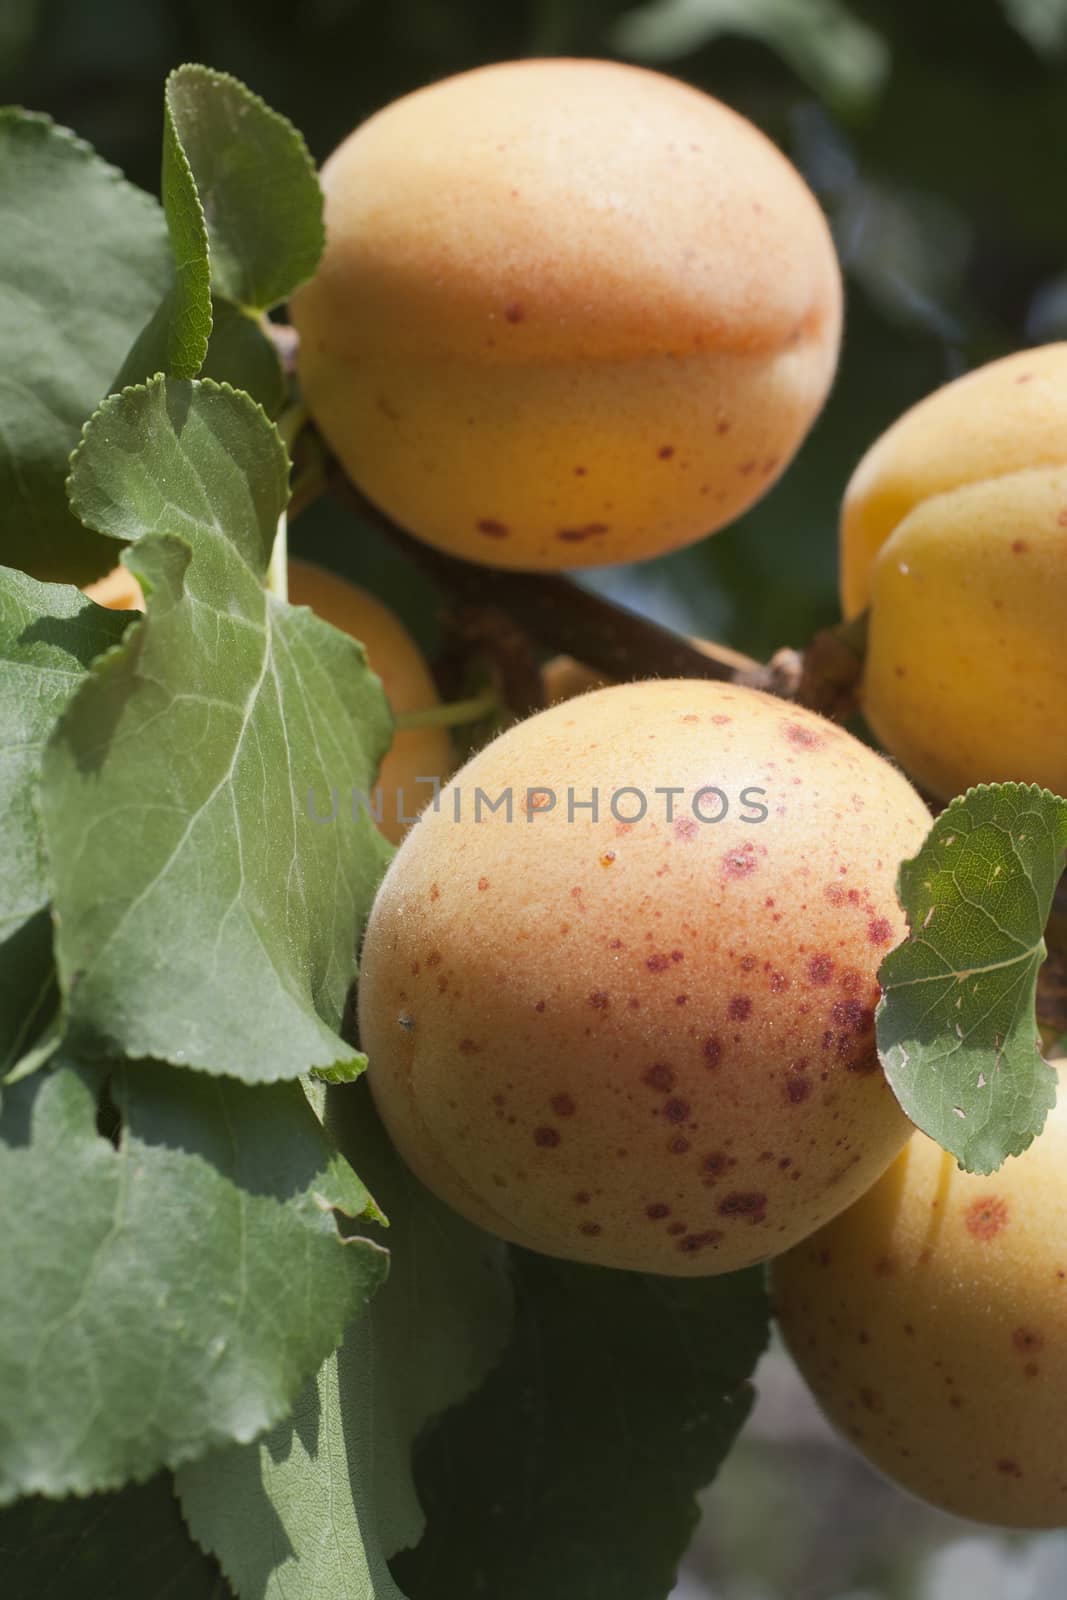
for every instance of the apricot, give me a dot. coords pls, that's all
(415, 753)
(645, 1041)
(930, 1321)
(570, 313)
(954, 533)
(118, 590)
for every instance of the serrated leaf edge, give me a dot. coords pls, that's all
(109, 402)
(216, 75)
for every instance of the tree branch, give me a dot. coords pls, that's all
(565, 618)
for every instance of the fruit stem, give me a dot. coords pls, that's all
(308, 484)
(278, 571)
(453, 714)
(289, 424)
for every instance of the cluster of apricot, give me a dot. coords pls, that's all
(618, 987)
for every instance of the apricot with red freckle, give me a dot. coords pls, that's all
(569, 313)
(957, 1282)
(617, 1090)
(954, 534)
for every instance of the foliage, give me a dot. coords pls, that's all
(177, 934)
(956, 1027)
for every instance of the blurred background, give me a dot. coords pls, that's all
(935, 136)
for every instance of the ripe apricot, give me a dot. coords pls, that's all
(930, 1320)
(954, 533)
(570, 313)
(645, 1040)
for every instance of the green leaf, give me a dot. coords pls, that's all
(199, 460)
(174, 341)
(170, 1294)
(190, 320)
(239, 353)
(1042, 23)
(83, 260)
(206, 915)
(257, 184)
(313, 1510)
(843, 59)
(439, 1326)
(191, 331)
(242, 354)
(49, 637)
(344, 1072)
(292, 1518)
(957, 1031)
(580, 1457)
(131, 1545)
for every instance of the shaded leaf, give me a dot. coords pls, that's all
(842, 58)
(83, 261)
(239, 353)
(957, 1031)
(130, 1545)
(293, 1518)
(242, 354)
(439, 1326)
(49, 636)
(257, 184)
(312, 1511)
(572, 1472)
(204, 1280)
(1042, 23)
(204, 917)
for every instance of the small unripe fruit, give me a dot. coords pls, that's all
(954, 533)
(648, 1043)
(930, 1321)
(415, 753)
(569, 313)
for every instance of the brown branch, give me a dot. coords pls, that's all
(1052, 979)
(567, 619)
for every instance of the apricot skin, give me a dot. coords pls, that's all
(647, 1046)
(117, 590)
(954, 533)
(930, 1321)
(570, 313)
(393, 654)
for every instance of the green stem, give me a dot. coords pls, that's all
(278, 571)
(308, 485)
(290, 423)
(452, 715)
